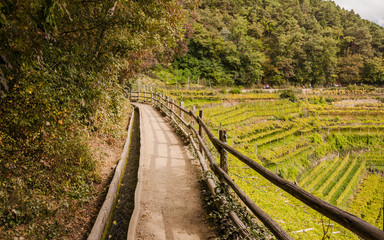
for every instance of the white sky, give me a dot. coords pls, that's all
(372, 10)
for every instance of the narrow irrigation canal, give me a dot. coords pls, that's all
(119, 222)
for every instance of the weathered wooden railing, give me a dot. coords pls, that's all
(349, 221)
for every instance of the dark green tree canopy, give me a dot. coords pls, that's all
(299, 42)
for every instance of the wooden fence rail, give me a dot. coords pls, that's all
(349, 221)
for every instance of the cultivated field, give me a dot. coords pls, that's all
(332, 147)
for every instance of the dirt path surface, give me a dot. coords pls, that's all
(170, 198)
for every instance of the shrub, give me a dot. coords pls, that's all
(235, 91)
(288, 94)
(368, 88)
(356, 89)
(257, 91)
(321, 150)
(338, 142)
(317, 100)
(316, 138)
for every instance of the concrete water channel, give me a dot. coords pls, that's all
(119, 222)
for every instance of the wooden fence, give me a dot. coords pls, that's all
(195, 136)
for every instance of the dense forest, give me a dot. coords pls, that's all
(65, 71)
(279, 42)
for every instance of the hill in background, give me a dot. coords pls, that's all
(278, 42)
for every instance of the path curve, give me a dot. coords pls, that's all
(170, 204)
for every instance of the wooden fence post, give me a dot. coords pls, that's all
(151, 95)
(193, 111)
(223, 153)
(168, 101)
(145, 93)
(181, 112)
(192, 119)
(201, 131)
(173, 105)
(138, 95)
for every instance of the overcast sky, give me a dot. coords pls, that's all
(368, 9)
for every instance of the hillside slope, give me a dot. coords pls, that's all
(277, 42)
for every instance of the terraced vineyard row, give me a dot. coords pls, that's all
(245, 111)
(330, 180)
(216, 95)
(367, 203)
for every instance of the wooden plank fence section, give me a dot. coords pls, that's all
(349, 221)
(212, 188)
